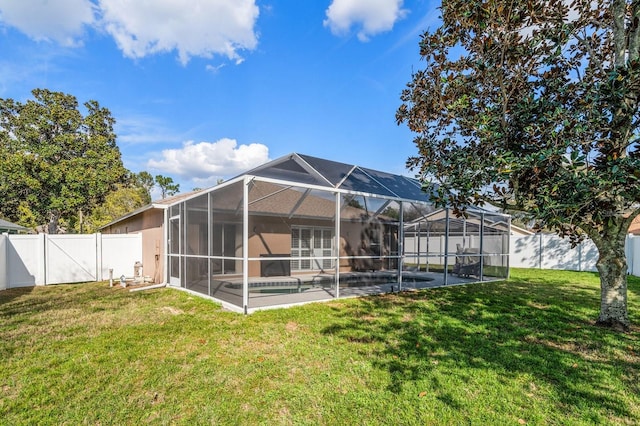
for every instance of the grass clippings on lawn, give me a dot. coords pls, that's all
(524, 351)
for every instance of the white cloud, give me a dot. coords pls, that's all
(371, 16)
(195, 28)
(140, 28)
(206, 161)
(140, 129)
(62, 21)
(214, 68)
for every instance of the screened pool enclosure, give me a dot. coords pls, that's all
(301, 229)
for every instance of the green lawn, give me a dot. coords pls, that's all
(524, 351)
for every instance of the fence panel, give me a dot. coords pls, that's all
(548, 251)
(633, 255)
(558, 254)
(28, 260)
(25, 260)
(71, 258)
(525, 251)
(3, 262)
(589, 256)
(120, 252)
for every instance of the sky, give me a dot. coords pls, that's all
(203, 90)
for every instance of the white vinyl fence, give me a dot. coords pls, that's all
(548, 251)
(28, 260)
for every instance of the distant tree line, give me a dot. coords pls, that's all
(61, 170)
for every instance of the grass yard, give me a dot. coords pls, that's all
(522, 351)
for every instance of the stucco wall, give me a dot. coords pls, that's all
(267, 236)
(150, 225)
(272, 236)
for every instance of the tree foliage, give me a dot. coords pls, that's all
(144, 180)
(166, 185)
(533, 105)
(55, 161)
(125, 199)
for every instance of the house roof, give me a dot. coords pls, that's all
(6, 226)
(266, 198)
(158, 204)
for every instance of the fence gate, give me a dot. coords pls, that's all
(71, 258)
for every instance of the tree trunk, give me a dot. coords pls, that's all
(612, 265)
(54, 218)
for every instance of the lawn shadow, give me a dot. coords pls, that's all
(8, 295)
(50, 298)
(539, 329)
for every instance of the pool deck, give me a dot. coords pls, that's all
(283, 291)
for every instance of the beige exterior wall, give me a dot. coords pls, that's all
(267, 236)
(272, 235)
(150, 225)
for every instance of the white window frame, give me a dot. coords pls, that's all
(319, 256)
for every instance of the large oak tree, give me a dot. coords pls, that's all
(54, 161)
(533, 105)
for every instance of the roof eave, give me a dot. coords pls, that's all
(135, 213)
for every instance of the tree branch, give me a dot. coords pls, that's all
(634, 32)
(618, 12)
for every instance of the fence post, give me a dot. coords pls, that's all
(580, 257)
(98, 240)
(4, 271)
(42, 263)
(540, 245)
(630, 253)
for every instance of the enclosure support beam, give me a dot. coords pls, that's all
(508, 248)
(446, 247)
(418, 245)
(482, 218)
(401, 246)
(209, 240)
(336, 242)
(245, 244)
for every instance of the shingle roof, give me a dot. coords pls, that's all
(271, 199)
(5, 226)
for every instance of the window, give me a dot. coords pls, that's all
(316, 244)
(224, 245)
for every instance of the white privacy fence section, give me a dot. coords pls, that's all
(25, 260)
(633, 254)
(549, 251)
(71, 259)
(3, 262)
(28, 260)
(120, 252)
(492, 246)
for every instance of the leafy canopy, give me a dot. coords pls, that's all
(532, 105)
(55, 161)
(123, 200)
(166, 185)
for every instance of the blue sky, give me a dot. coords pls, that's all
(209, 92)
